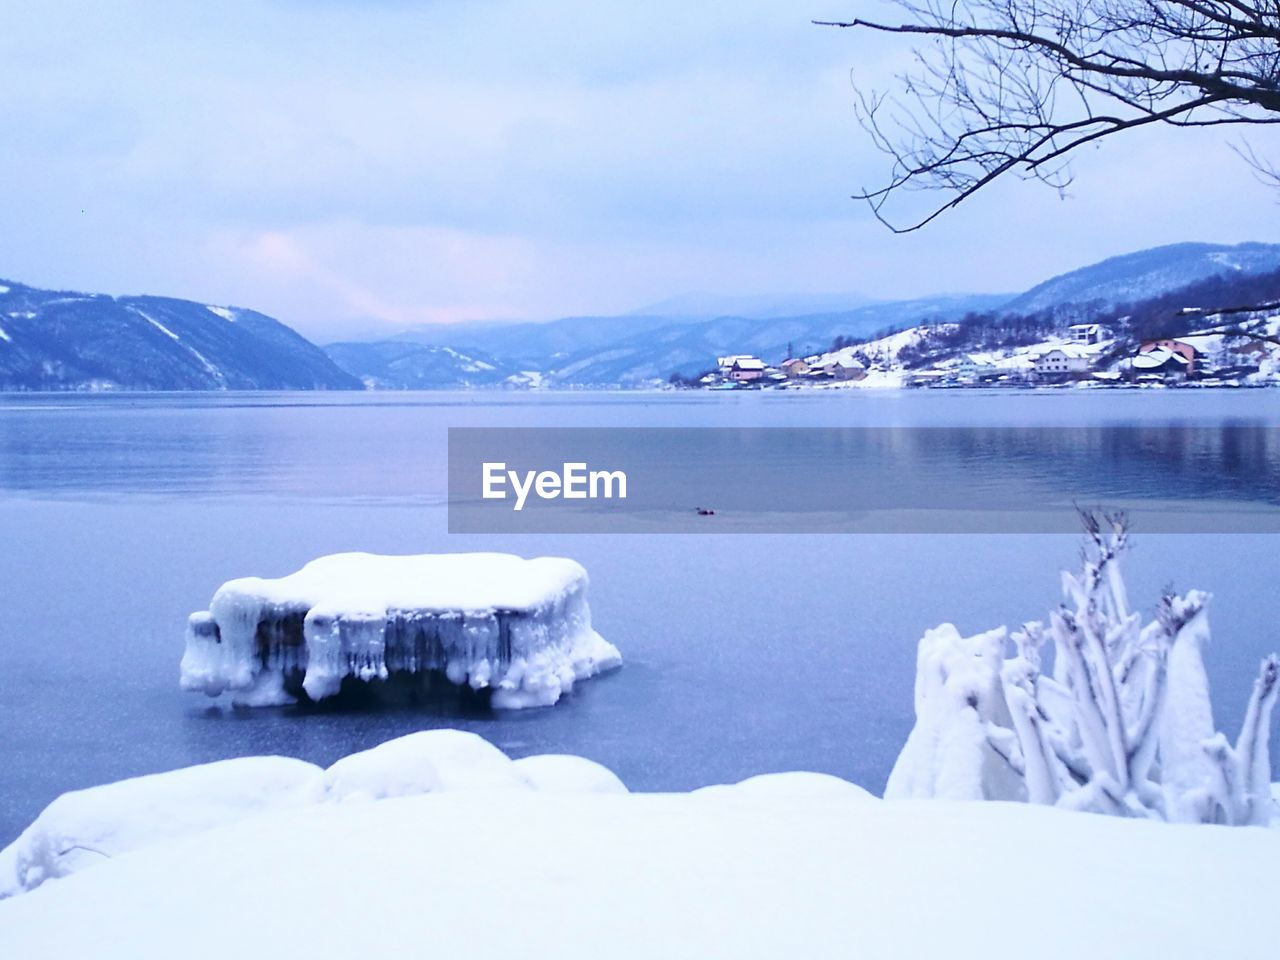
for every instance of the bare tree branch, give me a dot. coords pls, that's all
(1236, 328)
(1019, 86)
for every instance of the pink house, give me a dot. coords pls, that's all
(745, 369)
(1184, 350)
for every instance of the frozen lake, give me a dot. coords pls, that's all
(119, 515)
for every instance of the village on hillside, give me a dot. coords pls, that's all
(1087, 355)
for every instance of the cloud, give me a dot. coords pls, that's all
(427, 161)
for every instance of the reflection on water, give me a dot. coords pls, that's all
(920, 479)
(392, 447)
(120, 515)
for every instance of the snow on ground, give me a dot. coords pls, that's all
(795, 784)
(86, 827)
(426, 762)
(468, 364)
(884, 353)
(155, 323)
(884, 350)
(532, 379)
(212, 370)
(1220, 349)
(780, 866)
(521, 628)
(226, 313)
(874, 380)
(889, 346)
(562, 773)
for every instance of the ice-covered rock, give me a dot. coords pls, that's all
(86, 827)
(520, 629)
(563, 773)
(427, 762)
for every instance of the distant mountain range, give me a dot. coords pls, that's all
(404, 365)
(623, 350)
(68, 341)
(1146, 274)
(72, 341)
(677, 335)
(708, 306)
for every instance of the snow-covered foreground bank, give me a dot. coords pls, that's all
(438, 845)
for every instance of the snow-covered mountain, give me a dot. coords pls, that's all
(1146, 274)
(707, 306)
(683, 335)
(74, 341)
(691, 348)
(625, 350)
(526, 344)
(400, 365)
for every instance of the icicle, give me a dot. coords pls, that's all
(521, 628)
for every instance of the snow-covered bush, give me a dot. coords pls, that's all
(85, 827)
(562, 773)
(429, 761)
(794, 785)
(1122, 724)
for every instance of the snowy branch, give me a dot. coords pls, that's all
(1017, 87)
(1125, 725)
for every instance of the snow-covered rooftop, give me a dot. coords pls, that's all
(1152, 359)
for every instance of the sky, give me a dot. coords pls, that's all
(352, 165)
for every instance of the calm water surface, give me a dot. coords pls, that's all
(119, 515)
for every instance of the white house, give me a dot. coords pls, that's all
(924, 378)
(976, 366)
(1085, 333)
(846, 368)
(1061, 361)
